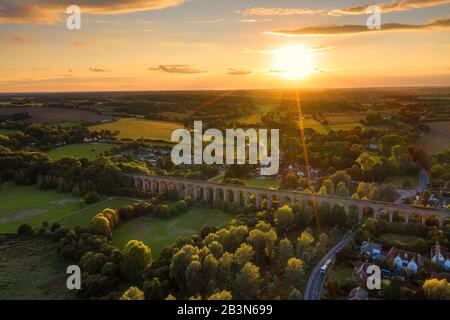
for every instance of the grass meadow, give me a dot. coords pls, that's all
(78, 151)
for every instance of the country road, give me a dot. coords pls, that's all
(316, 279)
(423, 182)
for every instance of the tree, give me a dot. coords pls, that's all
(284, 218)
(222, 295)
(244, 254)
(295, 294)
(137, 258)
(437, 289)
(132, 293)
(153, 289)
(209, 268)
(388, 141)
(285, 252)
(181, 206)
(329, 186)
(101, 225)
(342, 190)
(25, 230)
(194, 277)
(290, 181)
(247, 281)
(294, 272)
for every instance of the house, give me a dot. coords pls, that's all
(358, 293)
(371, 250)
(440, 256)
(360, 272)
(405, 260)
(445, 190)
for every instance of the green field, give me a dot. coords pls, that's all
(316, 125)
(397, 181)
(159, 233)
(7, 132)
(437, 140)
(342, 273)
(89, 151)
(131, 128)
(32, 270)
(28, 204)
(405, 240)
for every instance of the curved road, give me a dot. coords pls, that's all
(423, 182)
(316, 279)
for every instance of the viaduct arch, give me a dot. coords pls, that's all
(242, 195)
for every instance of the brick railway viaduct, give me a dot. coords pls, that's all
(242, 195)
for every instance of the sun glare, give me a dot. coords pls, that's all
(293, 62)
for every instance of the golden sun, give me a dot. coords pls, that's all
(293, 62)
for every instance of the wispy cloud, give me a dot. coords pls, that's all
(395, 6)
(77, 44)
(51, 11)
(237, 72)
(355, 29)
(275, 11)
(177, 68)
(17, 39)
(255, 20)
(206, 21)
(93, 69)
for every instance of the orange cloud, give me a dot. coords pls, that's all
(355, 29)
(177, 68)
(266, 12)
(236, 72)
(390, 7)
(52, 11)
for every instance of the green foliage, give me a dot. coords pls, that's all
(137, 258)
(132, 293)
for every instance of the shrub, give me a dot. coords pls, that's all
(92, 197)
(25, 230)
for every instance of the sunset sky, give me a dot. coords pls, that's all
(221, 44)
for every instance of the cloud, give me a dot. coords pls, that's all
(77, 44)
(355, 29)
(236, 72)
(272, 11)
(52, 11)
(93, 69)
(177, 68)
(206, 21)
(390, 7)
(17, 39)
(255, 20)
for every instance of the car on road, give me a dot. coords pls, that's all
(325, 266)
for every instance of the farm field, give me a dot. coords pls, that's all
(32, 270)
(52, 115)
(7, 132)
(89, 151)
(316, 125)
(437, 140)
(140, 128)
(28, 204)
(159, 233)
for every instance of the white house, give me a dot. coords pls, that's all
(405, 259)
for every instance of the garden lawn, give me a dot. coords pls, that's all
(78, 151)
(159, 233)
(28, 204)
(7, 132)
(266, 183)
